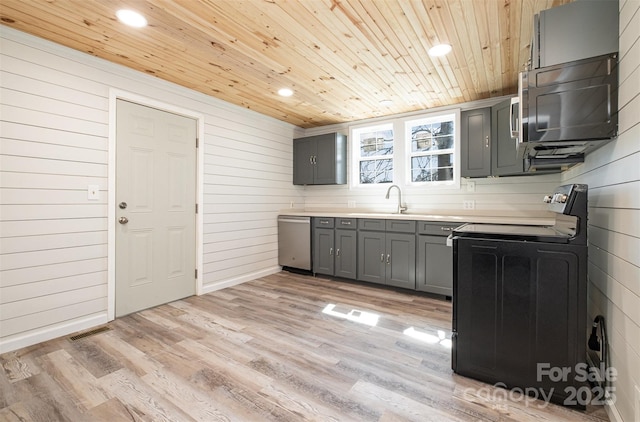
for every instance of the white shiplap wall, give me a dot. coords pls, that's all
(613, 176)
(54, 129)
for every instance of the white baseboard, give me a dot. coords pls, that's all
(48, 333)
(208, 288)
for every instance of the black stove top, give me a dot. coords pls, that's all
(569, 202)
(508, 231)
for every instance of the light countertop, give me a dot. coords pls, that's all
(533, 218)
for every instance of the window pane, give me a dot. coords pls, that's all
(375, 143)
(432, 136)
(376, 171)
(431, 168)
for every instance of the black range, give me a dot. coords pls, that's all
(519, 300)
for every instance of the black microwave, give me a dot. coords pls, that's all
(566, 110)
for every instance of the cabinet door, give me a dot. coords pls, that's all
(400, 260)
(434, 269)
(371, 257)
(320, 160)
(303, 153)
(345, 253)
(475, 136)
(504, 154)
(517, 304)
(476, 309)
(323, 251)
(325, 159)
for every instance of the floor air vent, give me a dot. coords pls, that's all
(89, 333)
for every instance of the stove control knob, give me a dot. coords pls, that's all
(559, 198)
(547, 199)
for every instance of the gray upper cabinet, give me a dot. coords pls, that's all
(504, 151)
(475, 136)
(320, 160)
(574, 31)
(487, 148)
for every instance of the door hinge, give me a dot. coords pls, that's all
(196, 142)
(196, 273)
(196, 208)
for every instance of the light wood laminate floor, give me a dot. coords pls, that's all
(265, 351)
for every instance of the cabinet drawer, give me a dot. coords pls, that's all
(371, 224)
(436, 229)
(346, 223)
(324, 222)
(401, 226)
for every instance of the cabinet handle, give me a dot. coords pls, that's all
(446, 229)
(388, 259)
(330, 251)
(486, 142)
(345, 223)
(311, 159)
(381, 257)
(315, 159)
(324, 221)
(338, 252)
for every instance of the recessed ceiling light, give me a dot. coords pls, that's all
(131, 18)
(285, 92)
(386, 103)
(439, 50)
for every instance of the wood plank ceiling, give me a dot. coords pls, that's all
(341, 57)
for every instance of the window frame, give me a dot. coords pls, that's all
(425, 119)
(356, 158)
(402, 151)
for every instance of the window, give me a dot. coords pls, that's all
(418, 150)
(374, 159)
(431, 149)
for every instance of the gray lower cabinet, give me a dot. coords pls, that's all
(434, 268)
(400, 253)
(323, 240)
(334, 246)
(386, 252)
(346, 257)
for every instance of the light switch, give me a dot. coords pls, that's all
(93, 192)
(471, 186)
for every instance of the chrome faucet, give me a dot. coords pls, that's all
(401, 207)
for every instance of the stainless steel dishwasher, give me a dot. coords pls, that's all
(294, 242)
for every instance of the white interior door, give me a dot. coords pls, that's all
(155, 207)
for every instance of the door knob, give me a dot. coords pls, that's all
(123, 220)
(122, 205)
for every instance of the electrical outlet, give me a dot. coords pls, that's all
(351, 204)
(469, 204)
